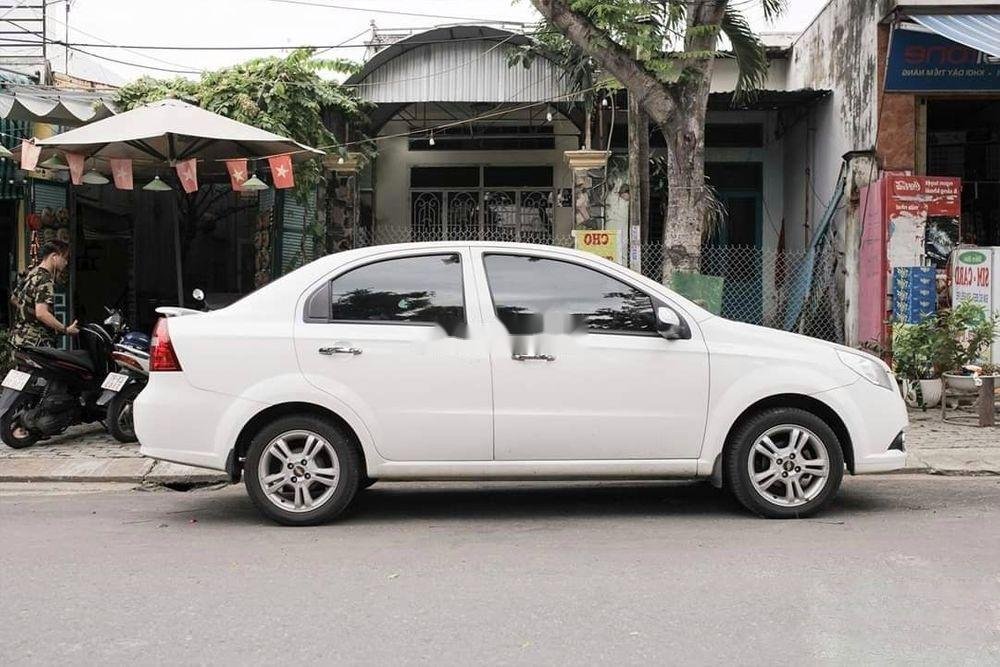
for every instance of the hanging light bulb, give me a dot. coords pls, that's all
(548, 114)
(156, 185)
(5, 152)
(94, 177)
(340, 160)
(431, 140)
(604, 102)
(55, 162)
(254, 183)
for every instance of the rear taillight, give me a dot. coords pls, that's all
(161, 351)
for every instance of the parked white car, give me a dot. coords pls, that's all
(486, 361)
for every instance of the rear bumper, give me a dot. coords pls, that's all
(180, 423)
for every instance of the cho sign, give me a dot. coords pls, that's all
(601, 242)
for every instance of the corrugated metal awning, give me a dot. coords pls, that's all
(42, 104)
(977, 31)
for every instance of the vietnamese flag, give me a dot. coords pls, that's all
(187, 172)
(75, 161)
(121, 171)
(237, 173)
(281, 171)
(29, 155)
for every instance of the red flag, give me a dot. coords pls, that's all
(121, 170)
(75, 161)
(281, 171)
(29, 155)
(237, 173)
(187, 172)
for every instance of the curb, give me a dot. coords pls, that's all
(131, 470)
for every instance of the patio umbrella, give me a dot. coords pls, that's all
(158, 134)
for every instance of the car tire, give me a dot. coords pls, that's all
(334, 464)
(120, 424)
(784, 463)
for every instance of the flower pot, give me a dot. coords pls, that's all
(966, 383)
(930, 390)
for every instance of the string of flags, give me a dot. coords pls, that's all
(240, 177)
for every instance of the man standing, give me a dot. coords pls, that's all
(35, 325)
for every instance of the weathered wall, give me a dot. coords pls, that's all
(839, 51)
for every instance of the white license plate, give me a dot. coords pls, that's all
(16, 380)
(114, 382)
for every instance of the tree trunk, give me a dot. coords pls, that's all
(678, 108)
(682, 229)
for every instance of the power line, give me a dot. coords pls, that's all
(393, 12)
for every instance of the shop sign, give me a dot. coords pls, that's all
(972, 278)
(927, 62)
(601, 242)
(925, 196)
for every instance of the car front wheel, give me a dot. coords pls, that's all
(784, 463)
(301, 471)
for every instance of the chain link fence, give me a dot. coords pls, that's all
(793, 290)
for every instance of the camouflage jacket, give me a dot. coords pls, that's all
(39, 287)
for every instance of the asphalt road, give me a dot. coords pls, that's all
(903, 569)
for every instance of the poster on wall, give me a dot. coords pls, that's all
(921, 61)
(922, 215)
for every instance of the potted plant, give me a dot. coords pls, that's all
(965, 333)
(913, 351)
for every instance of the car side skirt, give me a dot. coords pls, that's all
(535, 470)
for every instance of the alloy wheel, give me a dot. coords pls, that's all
(299, 471)
(788, 465)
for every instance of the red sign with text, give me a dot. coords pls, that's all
(924, 196)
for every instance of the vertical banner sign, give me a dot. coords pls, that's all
(635, 248)
(121, 171)
(917, 213)
(601, 242)
(972, 278)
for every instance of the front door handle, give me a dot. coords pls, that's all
(339, 349)
(532, 357)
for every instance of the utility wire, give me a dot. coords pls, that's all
(394, 12)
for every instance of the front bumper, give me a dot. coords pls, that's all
(876, 420)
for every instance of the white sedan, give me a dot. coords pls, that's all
(487, 361)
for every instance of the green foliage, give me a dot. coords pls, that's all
(285, 95)
(666, 39)
(942, 342)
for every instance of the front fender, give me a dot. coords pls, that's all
(732, 396)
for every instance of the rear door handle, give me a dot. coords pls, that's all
(339, 349)
(532, 357)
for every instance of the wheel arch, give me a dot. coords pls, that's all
(234, 463)
(791, 400)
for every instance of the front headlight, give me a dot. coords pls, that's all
(869, 369)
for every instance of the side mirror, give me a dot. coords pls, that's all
(670, 325)
(198, 295)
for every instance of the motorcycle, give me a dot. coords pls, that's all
(123, 384)
(50, 389)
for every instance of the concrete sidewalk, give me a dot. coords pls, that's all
(89, 454)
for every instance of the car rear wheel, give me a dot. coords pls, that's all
(301, 471)
(784, 463)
